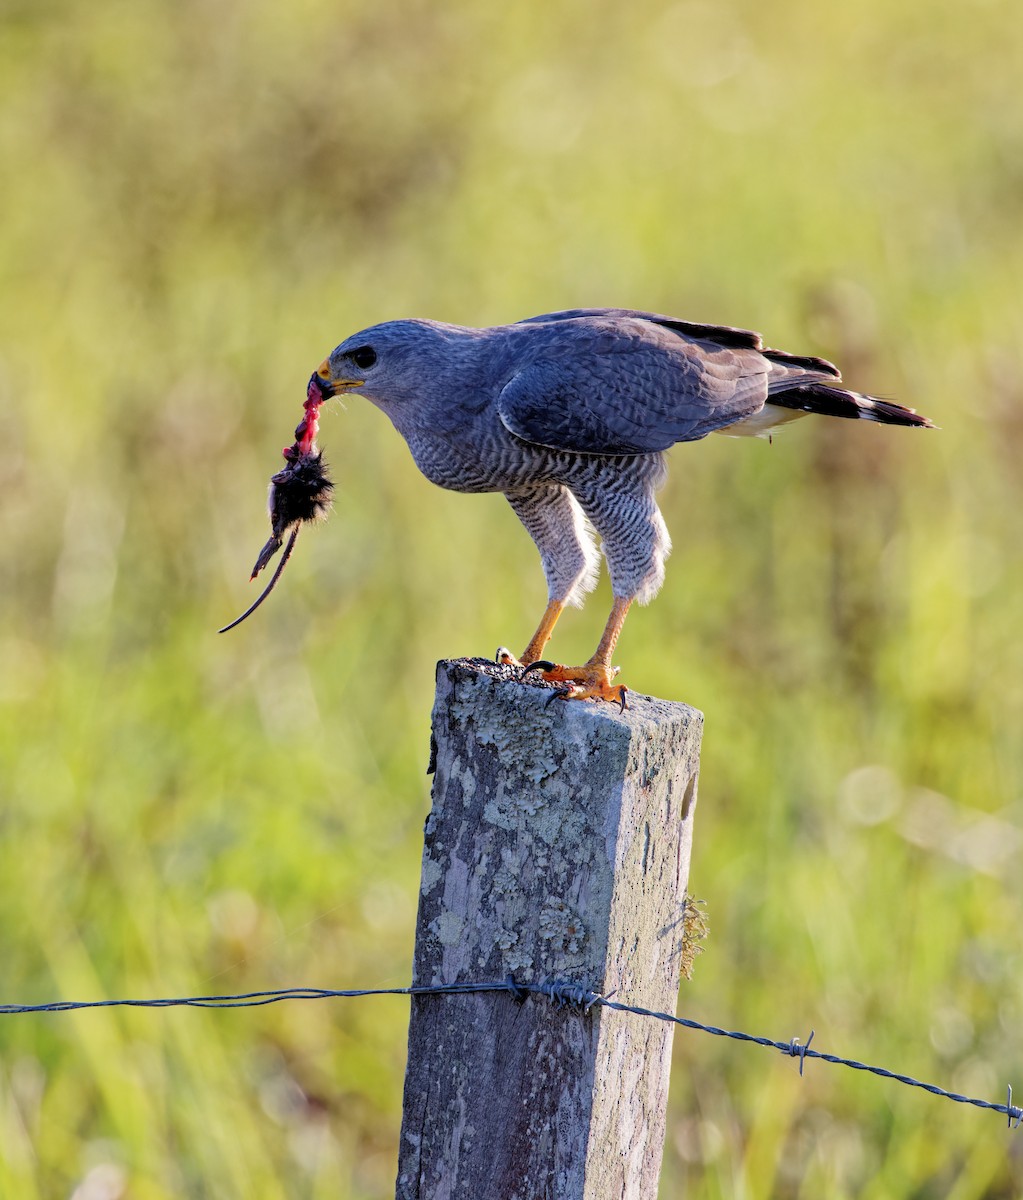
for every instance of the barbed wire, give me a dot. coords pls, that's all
(562, 993)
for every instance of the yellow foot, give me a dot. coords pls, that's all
(589, 682)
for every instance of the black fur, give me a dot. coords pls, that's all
(300, 492)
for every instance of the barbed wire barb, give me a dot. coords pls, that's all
(1015, 1114)
(798, 1049)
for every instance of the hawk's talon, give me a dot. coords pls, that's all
(589, 682)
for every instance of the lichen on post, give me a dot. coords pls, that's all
(557, 848)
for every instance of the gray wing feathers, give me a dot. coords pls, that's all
(723, 335)
(636, 390)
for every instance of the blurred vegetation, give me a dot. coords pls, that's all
(199, 201)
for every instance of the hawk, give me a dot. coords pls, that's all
(569, 414)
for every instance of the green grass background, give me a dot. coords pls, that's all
(199, 201)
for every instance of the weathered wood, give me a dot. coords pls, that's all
(557, 847)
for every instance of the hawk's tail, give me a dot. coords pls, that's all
(827, 400)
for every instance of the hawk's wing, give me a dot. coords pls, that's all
(604, 383)
(723, 335)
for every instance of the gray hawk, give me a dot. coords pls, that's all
(569, 414)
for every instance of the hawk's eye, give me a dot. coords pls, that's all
(364, 357)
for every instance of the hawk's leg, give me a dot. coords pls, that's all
(594, 679)
(539, 639)
(544, 630)
(618, 498)
(556, 524)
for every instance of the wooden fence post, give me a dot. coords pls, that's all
(557, 848)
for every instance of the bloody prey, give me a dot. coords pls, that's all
(299, 492)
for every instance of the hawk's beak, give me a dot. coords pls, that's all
(328, 387)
